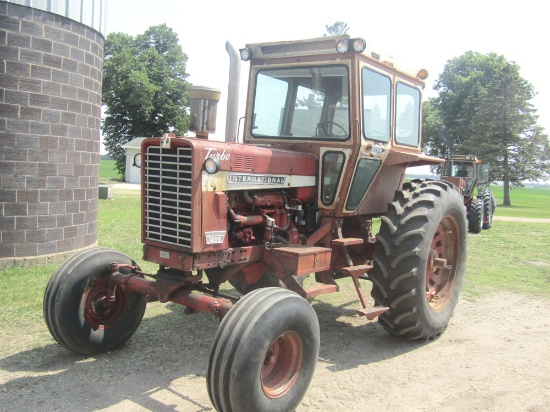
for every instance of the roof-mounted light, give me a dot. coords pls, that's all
(342, 46)
(422, 74)
(359, 45)
(246, 54)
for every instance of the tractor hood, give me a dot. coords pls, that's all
(253, 167)
(239, 166)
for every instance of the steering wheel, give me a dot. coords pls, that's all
(322, 129)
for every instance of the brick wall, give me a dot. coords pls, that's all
(50, 97)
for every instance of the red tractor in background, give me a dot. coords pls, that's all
(330, 129)
(471, 176)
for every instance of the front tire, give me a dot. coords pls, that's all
(419, 259)
(264, 353)
(83, 311)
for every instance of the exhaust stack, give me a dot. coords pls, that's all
(232, 114)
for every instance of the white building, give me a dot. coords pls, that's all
(133, 160)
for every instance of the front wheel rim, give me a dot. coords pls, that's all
(103, 304)
(282, 364)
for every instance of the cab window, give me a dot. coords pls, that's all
(376, 105)
(364, 174)
(459, 169)
(333, 163)
(306, 102)
(407, 115)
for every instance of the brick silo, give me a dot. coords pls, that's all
(50, 98)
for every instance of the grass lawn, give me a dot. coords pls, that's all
(526, 202)
(108, 173)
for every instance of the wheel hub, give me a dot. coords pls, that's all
(103, 304)
(441, 266)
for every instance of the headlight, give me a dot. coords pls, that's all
(342, 46)
(137, 160)
(212, 166)
(359, 45)
(246, 54)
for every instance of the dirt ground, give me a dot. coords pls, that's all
(495, 356)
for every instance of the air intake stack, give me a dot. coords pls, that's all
(204, 102)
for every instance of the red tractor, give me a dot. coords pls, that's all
(472, 178)
(329, 131)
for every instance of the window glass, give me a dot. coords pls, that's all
(333, 162)
(483, 172)
(307, 102)
(268, 112)
(364, 173)
(459, 169)
(308, 111)
(407, 115)
(376, 105)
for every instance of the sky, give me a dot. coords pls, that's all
(417, 34)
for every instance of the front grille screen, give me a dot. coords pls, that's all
(299, 47)
(168, 185)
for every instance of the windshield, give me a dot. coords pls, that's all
(459, 169)
(307, 102)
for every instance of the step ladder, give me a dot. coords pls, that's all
(302, 260)
(356, 272)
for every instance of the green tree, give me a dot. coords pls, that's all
(337, 28)
(484, 109)
(434, 138)
(144, 88)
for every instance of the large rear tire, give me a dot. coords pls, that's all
(489, 206)
(475, 216)
(83, 311)
(264, 353)
(419, 259)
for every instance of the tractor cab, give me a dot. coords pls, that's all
(466, 173)
(352, 108)
(472, 179)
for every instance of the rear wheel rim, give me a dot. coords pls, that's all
(442, 264)
(282, 364)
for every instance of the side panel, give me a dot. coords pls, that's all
(381, 190)
(214, 221)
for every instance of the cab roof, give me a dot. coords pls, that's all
(324, 45)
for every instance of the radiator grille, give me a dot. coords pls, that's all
(168, 186)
